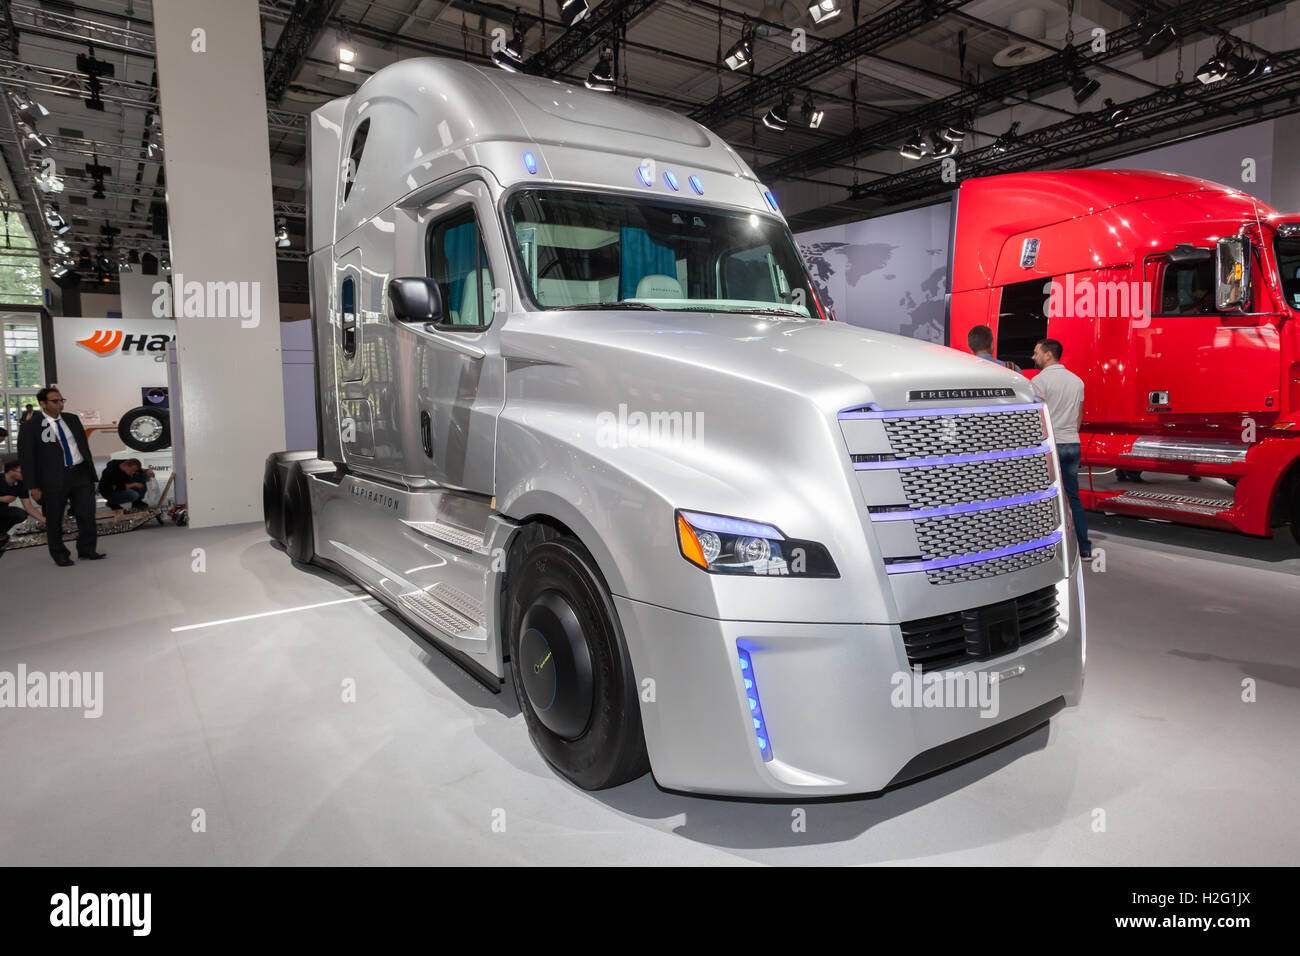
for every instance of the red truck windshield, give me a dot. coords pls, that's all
(1288, 267)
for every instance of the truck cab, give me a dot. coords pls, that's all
(1175, 300)
(582, 420)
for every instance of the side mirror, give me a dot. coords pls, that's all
(416, 299)
(1232, 271)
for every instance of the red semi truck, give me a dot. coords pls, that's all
(1178, 302)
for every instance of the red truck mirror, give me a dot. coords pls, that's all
(1232, 267)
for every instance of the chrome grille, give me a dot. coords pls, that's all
(978, 570)
(941, 485)
(949, 536)
(936, 436)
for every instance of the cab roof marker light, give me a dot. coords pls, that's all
(670, 178)
(696, 185)
(938, 563)
(647, 177)
(749, 681)
(723, 525)
(530, 162)
(916, 514)
(950, 459)
(771, 200)
(925, 412)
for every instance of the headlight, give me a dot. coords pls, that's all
(723, 545)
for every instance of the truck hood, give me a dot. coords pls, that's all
(835, 364)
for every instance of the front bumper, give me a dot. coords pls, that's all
(832, 697)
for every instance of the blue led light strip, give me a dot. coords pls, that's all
(927, 412)
(750, 683)
(918, 514)
(950, 459)
(937, 563)
(706, 522)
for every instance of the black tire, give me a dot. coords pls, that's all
(560, 616)
(146, 429)
(273, 475)
(1295, 511)
(295, 507)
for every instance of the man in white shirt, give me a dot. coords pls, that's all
(58, 470)
(1062, 392)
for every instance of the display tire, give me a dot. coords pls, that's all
(585, 721)
(295, 508)
(163, 438)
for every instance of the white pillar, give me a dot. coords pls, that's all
(225, 296)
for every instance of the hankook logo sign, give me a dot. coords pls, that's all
(103, 342)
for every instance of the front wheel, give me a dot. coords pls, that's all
(571, 669)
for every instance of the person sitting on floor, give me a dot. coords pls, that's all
(123, 484)
(16, 506)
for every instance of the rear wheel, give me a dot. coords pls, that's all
(571, 669)
(296, 508)
(1295, 511)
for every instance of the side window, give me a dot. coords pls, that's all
(458, 263)
(348, 325)
(1187, 288)
(354, 157)
(1021, 321)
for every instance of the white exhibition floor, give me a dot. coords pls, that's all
(246, 722)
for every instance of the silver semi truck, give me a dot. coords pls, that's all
(581, 416)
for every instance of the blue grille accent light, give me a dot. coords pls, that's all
(696, 185)
(530, 163)
(920, 513)
(755, 706)
(949, 459)
(771, 200)
(852, 413)
(934, 565)
(647, 177)
(670, 178)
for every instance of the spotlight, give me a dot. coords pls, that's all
(133, 257)
(778, 117)
(942, 145)
(511, 57)
(94, 69)
(60, 267)
(1156, 39)
(1083, 87)
(823, 10)
(1217, 68)
(602, 77)
(811, 114)
(346, 54)
(571, 11)
(1007, 139)
(96, 172)
(61, 247)
(1246, 68)
(154, 140)
(742, 52)
(123, 263)
(281, 233)
(1114, 115)
(84, 261)
(165, 264)
(916, 147)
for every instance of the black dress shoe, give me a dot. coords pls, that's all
(92, 557)
(64, 562)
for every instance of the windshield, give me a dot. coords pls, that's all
(581, 249)
(1288, 267)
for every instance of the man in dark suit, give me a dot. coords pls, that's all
(58, 469)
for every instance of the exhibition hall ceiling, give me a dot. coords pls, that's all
(906, 95)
